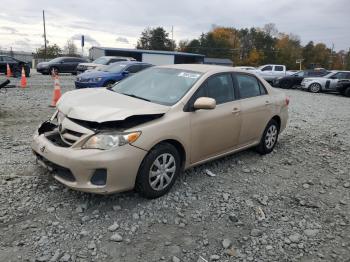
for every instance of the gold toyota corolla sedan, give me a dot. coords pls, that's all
(145, 130)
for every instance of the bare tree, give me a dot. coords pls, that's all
(70, 48)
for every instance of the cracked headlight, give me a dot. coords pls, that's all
(105, 141)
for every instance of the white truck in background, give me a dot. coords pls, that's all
(272, 72)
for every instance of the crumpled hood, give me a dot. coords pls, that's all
(103, 105)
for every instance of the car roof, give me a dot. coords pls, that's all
(131, 63)
(202, 68)
(110, 57)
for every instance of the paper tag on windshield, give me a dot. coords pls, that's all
(188, 75)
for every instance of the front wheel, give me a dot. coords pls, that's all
(109, 84)
(269, 138)
(315, 88)
(158, 171)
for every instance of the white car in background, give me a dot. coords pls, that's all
(272, 72)
(101, 62)
(325, 83)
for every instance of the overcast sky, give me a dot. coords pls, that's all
(118, 23)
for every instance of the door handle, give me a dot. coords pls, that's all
(267, 102)
(236, 110)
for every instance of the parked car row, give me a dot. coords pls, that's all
(316, 81)
(15, 66)
(77, 65)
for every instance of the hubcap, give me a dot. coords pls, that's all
(271, 136)
(162, 171)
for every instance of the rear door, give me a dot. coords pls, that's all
(216, 131)
(279, 71)
(256, 108)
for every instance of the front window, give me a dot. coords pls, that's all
(300, 74)
(56, 60)
(101, 61)
(164, 86)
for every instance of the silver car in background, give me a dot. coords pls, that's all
(324, 83)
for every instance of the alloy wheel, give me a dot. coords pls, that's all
(315, 88)
(271, 137)
(162, 171)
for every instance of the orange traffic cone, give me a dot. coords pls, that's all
(56, 92)
(8, 71)
(23, 79)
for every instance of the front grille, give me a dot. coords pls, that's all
(58, 170)
(57, 140)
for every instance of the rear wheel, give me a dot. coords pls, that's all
(158, 171)
(286, 85)
(315, 88)
(347, 92)
(269, 138)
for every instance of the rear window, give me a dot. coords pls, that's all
(278, 68)
(249, 86)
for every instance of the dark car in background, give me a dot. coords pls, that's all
(60, 65)
(15, 65)
(343, 87)
(295, 79)
(101, 62)
(110, 74)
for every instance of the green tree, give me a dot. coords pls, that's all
(289, 50)
(52, 51)
(155, 39)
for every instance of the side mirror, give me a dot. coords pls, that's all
(204, 103)
(125, 73)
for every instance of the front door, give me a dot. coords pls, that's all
(215, 131)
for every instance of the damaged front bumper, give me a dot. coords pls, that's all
(88, 170)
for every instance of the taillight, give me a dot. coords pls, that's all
(287, 100)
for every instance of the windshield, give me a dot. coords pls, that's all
(101, 60)
(164, 86)
(300, 73)
(329, 75)
(114, 67)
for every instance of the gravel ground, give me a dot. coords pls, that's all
(291, 205)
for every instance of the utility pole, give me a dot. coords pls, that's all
(44, 34)
(332, 58)
(172, 36)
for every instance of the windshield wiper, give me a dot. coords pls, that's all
(135, 96)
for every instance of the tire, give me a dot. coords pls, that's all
(109, 84)
(269, 138)
(54, 69)
(152, 175)
(285, 85)
(347, 92)
(315, 88)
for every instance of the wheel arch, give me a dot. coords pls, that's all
(179, 147)
(277, 118)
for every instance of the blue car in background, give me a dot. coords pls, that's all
(109, 74)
